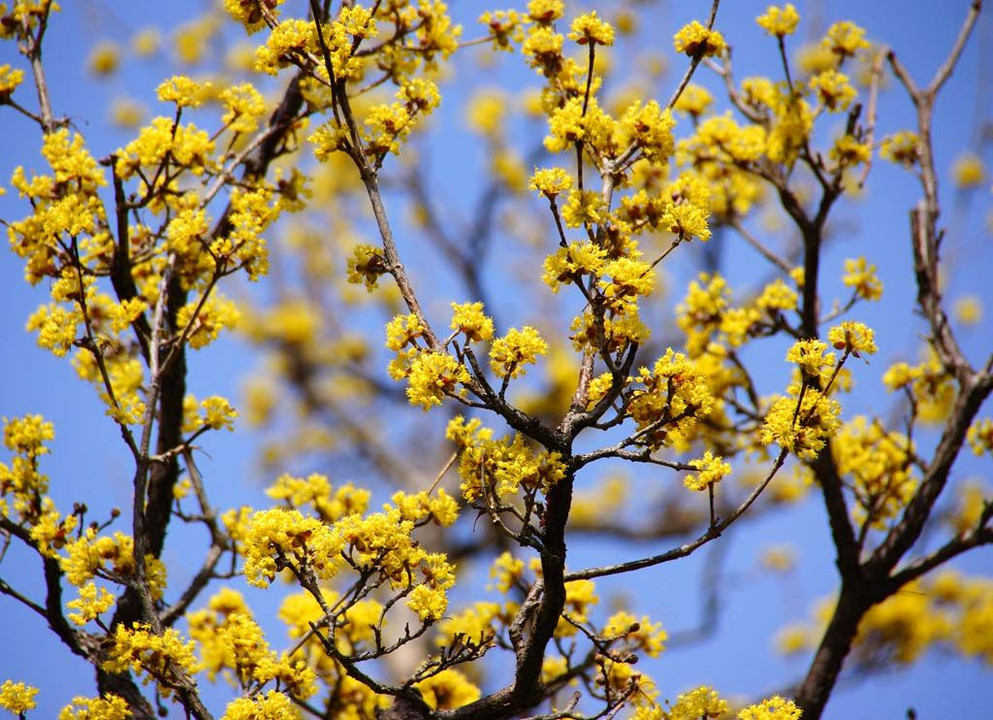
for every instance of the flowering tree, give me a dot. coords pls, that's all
(142, 249)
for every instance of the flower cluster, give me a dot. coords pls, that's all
(164, 658)
(669, 401)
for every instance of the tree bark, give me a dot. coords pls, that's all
(816, 687)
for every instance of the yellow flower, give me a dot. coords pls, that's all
(181, 90)
(833, 89)
(629, 279)
(366, 265)
(854, 337)
(809, 356)
(506, 571)
(862, 277)
(567, 264)
(486, 112)
(146, 42)
(901, 147)
(704, 702)
(427, 602)
(126, 113)
(248, 12)
(968, 310)
(844, 39)
(9, 80)
(108, 707)
(777, 295)
(981, 436)
(545, 11)
(216, 314)
(775, 708)
(550, 182)
(296, 541)
(878, 463)
(104, 58)
(647, 636)
(695, 101)
(849, 151)
(651, 128)
(272, 705)
(162, 657)
(517, 348)
(403, 330)
(448, 690)
(712, 469)
(244, 108)
(802, 431)
(696, 40)
(432, 376)
(779, 21)
(469, 318)
(93, 601)
(589, 29)
(218, 413)
(968, 171)
(900, 375)
(18, 698)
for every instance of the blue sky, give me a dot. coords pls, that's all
(90, 462)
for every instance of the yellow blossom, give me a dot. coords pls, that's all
(644, 635)
(244, 108)
(108, 707)
(510, 353)
(469, 319)
(901, 147)
(9, 80)
(968, 171)
(861, 276)
(447, 690)
(249, 12)
(550, 182)
(775, 708)
(805, 430)
(809, 356)
(981, 436)
(777, 295)
(779, 21)
(181, 90)
(432, 376)
(280, 538)
(711, 470)
(583, 207)
(271, 705)
(703, 702)
(844, 39)
(696, 40)
(848, 151)
(590, 29)
(17, 698)
(853, 337)
(486, 112)
(651, 127)
(105, 57)
(218, 413)
(146, 42)
(93, 601)
(163, 658)
(365, 265)
(695, 101)
(545, 11)
(567, 264)
(968, 310)
(833, 89)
